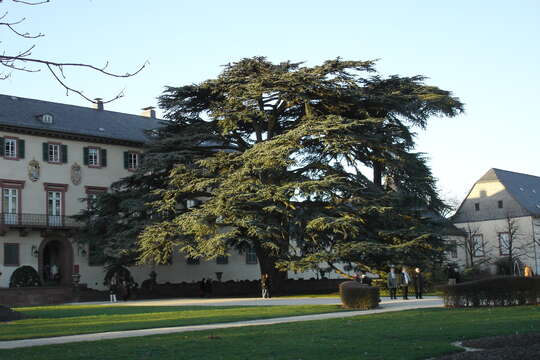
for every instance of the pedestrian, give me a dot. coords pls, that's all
(405, 282)
(528, 271)
(113, 288)
(418, 283)
(265, 286)
(392, 282)
(364, 279)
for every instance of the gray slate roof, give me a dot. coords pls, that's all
(24, 113)
(525, 189)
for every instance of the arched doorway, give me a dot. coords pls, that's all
(56, 262)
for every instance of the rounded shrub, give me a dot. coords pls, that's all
(358, 296)
(24, 276)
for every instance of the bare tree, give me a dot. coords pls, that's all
(512, 243)
(24, 61)
(477, 251)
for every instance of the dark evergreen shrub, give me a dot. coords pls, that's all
(24, 276)
(358, 296)
(495, 291)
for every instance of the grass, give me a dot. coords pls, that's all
(48, 321)
(415, 334)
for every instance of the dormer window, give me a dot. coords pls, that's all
(47, 119)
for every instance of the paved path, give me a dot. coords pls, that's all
(386, 306)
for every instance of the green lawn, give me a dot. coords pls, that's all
(50, 321)
(416, 334)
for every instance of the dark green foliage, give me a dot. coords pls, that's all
(495, 291)
(286, 174)
(6, 314)
(358, 296)
(24, 276)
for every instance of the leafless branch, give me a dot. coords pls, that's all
(80, 93)
(10, 26)
(30, 2)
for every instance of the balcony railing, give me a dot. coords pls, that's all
(38, 221)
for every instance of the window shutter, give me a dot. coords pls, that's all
(103, 157)
(20, 148)
(63, 153)
(1, 146)
(45, 152)
(85, 156)
(126, 160)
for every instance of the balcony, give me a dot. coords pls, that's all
(37, 221)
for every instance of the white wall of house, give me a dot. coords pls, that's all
(490, 230)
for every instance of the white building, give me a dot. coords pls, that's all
(52, 157)
(501, 206)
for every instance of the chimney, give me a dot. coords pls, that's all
(149, 112)
(98, 105)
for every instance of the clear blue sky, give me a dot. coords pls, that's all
(486, 52)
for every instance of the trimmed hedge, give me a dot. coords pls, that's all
(358, 296)
(495, 291)
(24, 276)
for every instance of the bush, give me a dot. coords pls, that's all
(358, 296)
(25, 276)
(495, 291)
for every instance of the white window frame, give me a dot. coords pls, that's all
(54, 153)
(504, 244)
(478, 245)
(133, 160)
(10, 205)
(10, 148)
(93, 156)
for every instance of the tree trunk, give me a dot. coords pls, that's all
(377, 173)
(267, 264)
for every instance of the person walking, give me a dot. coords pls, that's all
(113, 288)
(392, 282)
(405, 282)
(265, 286)
(418, 283)
(528, 271)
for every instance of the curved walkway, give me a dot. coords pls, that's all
(386, 306)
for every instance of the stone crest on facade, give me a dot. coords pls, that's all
(33, 170)
(76, 174)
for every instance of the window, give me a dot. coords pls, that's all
(453, 250)
(222, 260)
(55, 203)
(500, 204)
(193, 261)
(12, 148)
(11, 254)
(478, 245)
(131, 160)
(94, 157)
(251, 256)
(54, 153)
(504, 243)
(92, 193)
(47, 118)
(10, 205)
(477, 206)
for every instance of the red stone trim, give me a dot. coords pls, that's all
(95, 189)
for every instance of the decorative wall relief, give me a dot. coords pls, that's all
(76, 174)
(33, 170)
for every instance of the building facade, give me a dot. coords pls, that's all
(500, 215)
(54, 158)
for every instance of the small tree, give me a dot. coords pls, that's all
(512, 243)
(477, 251)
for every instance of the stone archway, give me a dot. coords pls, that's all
(55, 261)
